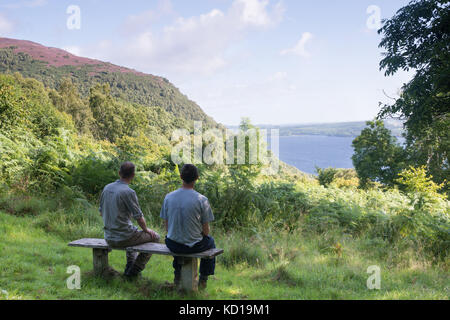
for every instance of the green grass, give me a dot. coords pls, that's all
(33, 264)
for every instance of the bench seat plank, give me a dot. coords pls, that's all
(150, 247)
(90, 243)
(158, 248)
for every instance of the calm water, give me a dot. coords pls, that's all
(306, 152)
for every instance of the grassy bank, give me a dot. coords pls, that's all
(286, 236)
(267, 265)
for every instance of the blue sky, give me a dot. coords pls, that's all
(277, 62)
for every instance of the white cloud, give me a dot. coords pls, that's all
(195, 44)
(278, 76)
(192, 44)
(256, 98)
(145, 19)
(6, 26)
(255, 12)
(73, 50)
(299, 49)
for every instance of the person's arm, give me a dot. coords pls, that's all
(206, 217)
(163, 215)
(101, 205)
(205, 229)
(133, 205)
(141, 222)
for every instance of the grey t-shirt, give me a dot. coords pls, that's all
(118, 204)
(186, 211)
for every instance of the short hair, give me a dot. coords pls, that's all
(127, 170)
(189, 173)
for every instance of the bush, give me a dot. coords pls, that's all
(243, 252)
(282, 205)
(346, 178)
(81, 220)
(92, 173)
(49, 167)
(326, 176)
(233, 194)
(25, 205)
(420, 188)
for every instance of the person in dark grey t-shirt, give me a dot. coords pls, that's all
(118, 204)
(187, 215)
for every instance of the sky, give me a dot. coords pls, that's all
(273, 61)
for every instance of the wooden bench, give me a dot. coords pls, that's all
(189, 262)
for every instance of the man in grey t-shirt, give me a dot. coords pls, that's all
(118, 204)
(187, 215)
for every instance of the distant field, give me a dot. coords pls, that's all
(338, 129)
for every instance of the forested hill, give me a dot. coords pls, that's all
(337, 129)
(52, 65)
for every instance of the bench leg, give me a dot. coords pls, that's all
(100, 258)
(189, 275)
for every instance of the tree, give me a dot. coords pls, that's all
(10, 109)
(326, 176)
(415, 180)
(420, 188)
(67, 99)
(378, 157)
(113, 118)
(417, 38)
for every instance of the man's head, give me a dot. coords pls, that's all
(126, 171)
(189, 174)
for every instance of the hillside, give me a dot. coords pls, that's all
(338, 129)
(34, 266)
(51, 65)
(285, 236)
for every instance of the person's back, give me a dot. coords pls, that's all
(118, 206)
(186, 211)
(187, 214)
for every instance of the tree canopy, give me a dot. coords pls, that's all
(378, 156)
(417, 39)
